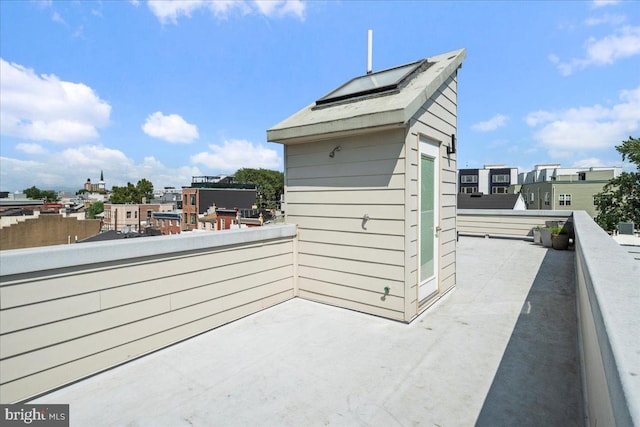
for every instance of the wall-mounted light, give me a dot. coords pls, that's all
(451, 149)
(332, 154)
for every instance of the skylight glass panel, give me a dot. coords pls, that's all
(381, 81)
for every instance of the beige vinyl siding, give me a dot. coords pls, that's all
(58, 326)
(437, 120)
(341, 259)
(510, 223)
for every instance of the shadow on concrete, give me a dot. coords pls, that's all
(538, 380)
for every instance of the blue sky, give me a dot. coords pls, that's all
(170, 89)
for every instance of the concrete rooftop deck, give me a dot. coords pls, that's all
(500, 350)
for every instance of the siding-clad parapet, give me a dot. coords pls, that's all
(70, 311)
(506, 223)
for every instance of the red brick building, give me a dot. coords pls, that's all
(196, 202)
(167, 222)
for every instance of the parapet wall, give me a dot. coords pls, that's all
(608, 292)
(71, 311)
(46, 230)
(505, 223)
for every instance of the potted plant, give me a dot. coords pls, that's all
(536, 235)
(559, 238)
(545, 237)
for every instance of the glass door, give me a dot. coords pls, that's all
(429, 202)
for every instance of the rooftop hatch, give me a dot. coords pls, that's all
(379, 82)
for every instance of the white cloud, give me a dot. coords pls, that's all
(587, 128)
(171, 128)
(92, 156)
(56, 17)
(168, 11)
(45, 108)
(603, 3)
(495, 122)
(624, 43)
(31, 148)
(605, 19)
(280, 8)
(70, 168)
(238, 153)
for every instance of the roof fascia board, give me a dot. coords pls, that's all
(337, 134)
(327, 130)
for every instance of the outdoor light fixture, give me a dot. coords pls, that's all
(451, 149)
(332, 154)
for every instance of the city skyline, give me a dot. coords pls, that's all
(169, 90)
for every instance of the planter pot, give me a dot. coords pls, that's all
(560, 241)
(545, 237)
(536, 237)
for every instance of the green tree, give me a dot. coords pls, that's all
(95, 209)
(269, 183)
(619, 200)
(144, 189)
(132, 193)
(35, 193)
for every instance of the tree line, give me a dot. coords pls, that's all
(619, 200)
(269, 186)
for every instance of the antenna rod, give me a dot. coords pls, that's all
(369, 50)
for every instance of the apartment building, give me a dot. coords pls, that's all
(491, 179)
(197, 200)
(551, 187)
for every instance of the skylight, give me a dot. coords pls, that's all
(379, 82)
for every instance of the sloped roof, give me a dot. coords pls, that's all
(392, 109)
(487, 201)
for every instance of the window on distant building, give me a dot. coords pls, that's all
(531, 197)
(547, 199)
(222, 223)
(502, 178)
(499, 190)
(564, 199)
(148, 213)
(128, 214)
(582, 176)
(135, 214)
(192, 219)
(469, 190)
(469, 179)
(192, 199)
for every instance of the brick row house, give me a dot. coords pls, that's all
(197, 203)
(167, 223)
